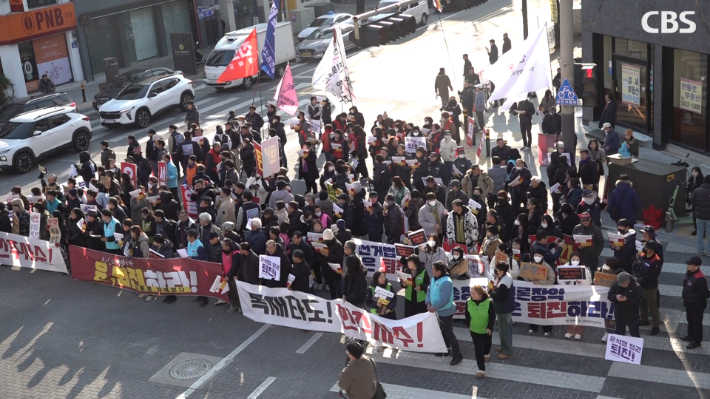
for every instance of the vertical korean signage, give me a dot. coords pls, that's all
(631, 84)
(691, 95)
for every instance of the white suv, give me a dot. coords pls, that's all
(36, 134)
(138, 102)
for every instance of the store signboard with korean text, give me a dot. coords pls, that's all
(20, 27)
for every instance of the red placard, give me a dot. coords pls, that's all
(132, 171)
(245, 62)
(162, 173)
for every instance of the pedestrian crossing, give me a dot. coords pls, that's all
(402, 392)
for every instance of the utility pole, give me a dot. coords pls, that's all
(525, 19)
(569, 135)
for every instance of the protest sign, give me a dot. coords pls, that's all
(156, 255)
(269, 267)
(34, 224)
(259, 157)
(532, 271)
(132, 170)
(311, 236)
(620, 348)
(582, 240)
(639, 246)
(417, 237)
(280, 306)
(188, 204)
(290, 280)
(404, 250)
(337, 210)
(162, 173)
(617, 239)
(336, 267)
(383, 296)
(31, 253)
(604, 279)
(571, 273)
(377, 256)
(412, 143)
(146, 276)
(271, 157)
(55, 233)
(86, 208)
(405, 277)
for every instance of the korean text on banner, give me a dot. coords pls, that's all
(132, 171)
(187, 204)
(282, 307)
(271, 161)
(691, 95)
(245, 61)
(268, 51)
(270, 267)
(16, 250)
(162, 173)
(332, 71)
(631, 84)
(34, 224)
(286, 96)
(147, 276)
(412, 143)
(620, 348)
(259, 158)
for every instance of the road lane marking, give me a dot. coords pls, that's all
(309, 343)
(261, 388)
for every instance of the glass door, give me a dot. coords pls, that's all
(631, 94)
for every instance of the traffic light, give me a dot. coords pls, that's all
(589, 87)
(578, 75)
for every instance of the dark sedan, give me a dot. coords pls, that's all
(110, 90)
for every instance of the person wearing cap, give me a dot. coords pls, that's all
(590, 254)
(648, 234)
(421, 171)
(609, 112)
(254, 118)
(701, 212)
(624, 201)
(447, 150)
(588, 171)
(646, 271)
(455, 193)
(626, 295)
(626, 253)
(437, 169)
(612, 141)
(695, 295)
(461, 164)
(106, 154)
(359, 377)
(342, 232)
(437, 189)
(442, 85)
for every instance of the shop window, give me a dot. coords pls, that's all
(690, 99)
(40, 3)
(29, 66)
(102, 42)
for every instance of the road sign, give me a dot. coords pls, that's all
(566, 94)
(203, 13)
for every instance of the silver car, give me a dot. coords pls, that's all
(315, 44)
(324, 21)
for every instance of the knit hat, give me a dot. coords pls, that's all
(328, 234)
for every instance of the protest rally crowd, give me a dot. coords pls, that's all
(421, 192)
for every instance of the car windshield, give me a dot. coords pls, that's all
(133, 92)
(321, 34)
(220, 58)
(321, 22)
(16, 131)
(8, 112)
(126, 78)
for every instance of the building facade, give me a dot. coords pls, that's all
(659, 80)
(38, 37)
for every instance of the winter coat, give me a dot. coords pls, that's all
(354, 285)
(630, 204)
(590, 254)
(168, 205)
(470, 227)
(140, 247)
(427, 218)
(428, 258)
(393, 223)
(280, 195)
(249, 269)
(627, 311)
(374, 222)
(701, 202)
(499, 176)
(225, 210)
(382, 179)
(484, 181)
(284, 270)
(447, 150)
(301, 272)
(539, 194)
(453, 196)
(412, 213)
(358, 379)
(136, 206)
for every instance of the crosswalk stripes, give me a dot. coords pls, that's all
(661, 375)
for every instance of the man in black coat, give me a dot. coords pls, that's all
(501, 150)
(298, 243)
(249, 268)
(466, 64)
(467, 96)
(334, 254)
(348, 214)
(381, 176)
(538, 191)
(506, 43)
(525, 111)
(285, 265)
(695, 296)
(701, 207)
(609, 112)
(433, 187)
(374, 219)
(192, 115)
(625, 293)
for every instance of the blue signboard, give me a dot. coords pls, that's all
(566, 94)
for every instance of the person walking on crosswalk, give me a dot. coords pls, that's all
(695, 297)
(440, 299)
(480, 317)
(501, 291)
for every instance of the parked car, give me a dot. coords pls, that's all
(419, 11)
(33, 135)
(315, 44)
(324, 21)
(33, 103)
(138, 102)
(109, 90)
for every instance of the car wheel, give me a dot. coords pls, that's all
(247, 83)
(280, 70)
(142, 118)
(24, 162)
(184, 99)
(425, 18)
(81, 141)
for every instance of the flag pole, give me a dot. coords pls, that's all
(447, 48)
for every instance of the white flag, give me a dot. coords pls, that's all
(332, 73)
(521, 70)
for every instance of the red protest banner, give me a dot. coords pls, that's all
(132, 171)
(162, 173)
(259, 159)
(148, 276)
(187, 204)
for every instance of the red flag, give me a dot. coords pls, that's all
(245, 62)
(484, 137)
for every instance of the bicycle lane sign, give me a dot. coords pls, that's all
(566, 94)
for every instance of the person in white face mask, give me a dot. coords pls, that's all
(431, 216)
(590, 203)
(431, 252)
(576, 260)
(539, 259)
(458, 265)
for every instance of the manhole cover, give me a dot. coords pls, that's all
(190, 369)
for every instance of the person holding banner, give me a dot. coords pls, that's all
(415, 289)
(440, 300)
(480, 317)
(381, 303)
(539, 259)
(575, 260)
(458, 265)
(333, 255)
(277, 251)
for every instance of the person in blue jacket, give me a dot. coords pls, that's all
(611, 142)
(110, 226)
(624, 201)
(172, 182)
(195, 249)
(440, 299)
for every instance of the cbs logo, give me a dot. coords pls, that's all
(669, 22)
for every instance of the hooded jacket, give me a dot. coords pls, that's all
(169, 205)
(249, 269)
(87, 167)
(140, 247)
(469, 182)
(628, 204)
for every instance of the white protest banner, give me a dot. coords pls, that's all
(34, 224)
(521, 70)
(336, 267)
(412, 143)
(280, 306)
(582, 240)
(270, 156)
(620, 348)
(332, 71)
(616, 239)
(269, 267)
(86, 208)
(315, 126)
(118, 236)
(16, 250)
(378, 257)
(290, 280)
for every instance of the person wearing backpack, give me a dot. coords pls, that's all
(106, 154)
(624, 201)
